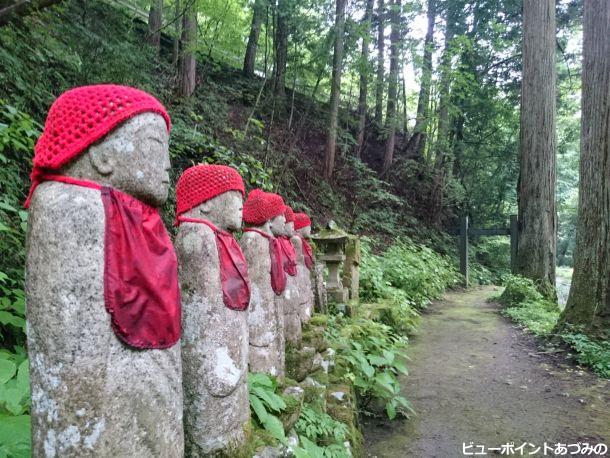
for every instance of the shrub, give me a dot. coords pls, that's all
(371, 356)
(519, 290)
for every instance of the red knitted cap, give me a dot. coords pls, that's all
(83, 115)
(200, 183)
(301, 220)
(289, 213)
(261, 206)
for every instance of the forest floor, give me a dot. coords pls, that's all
(476, 377)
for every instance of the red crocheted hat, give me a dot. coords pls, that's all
(83, 115)
(289, 214)
(261, 206)
(200, 183)
(301, 220)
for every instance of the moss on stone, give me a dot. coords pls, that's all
(290, 415)
(299, 362)
(318, 319)
(313, 336)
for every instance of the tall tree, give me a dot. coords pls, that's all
(177, 32)
(155, 14)
(335, 89)
(417, 142)
(443, 141)
(379, 86)
(589, 298)
(536, 188)
(281, 48)
(392, 85)
(188, 64)
(258, 14)
(364, 75)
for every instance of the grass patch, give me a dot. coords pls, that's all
(525, 305)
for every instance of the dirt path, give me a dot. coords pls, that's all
(475, 377)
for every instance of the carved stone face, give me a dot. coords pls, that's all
(290, 229)
(223, 211)
(278, 225)
(133, 158)
(305, 232)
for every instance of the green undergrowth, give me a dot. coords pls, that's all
(396, 283)
(318, 435)
(525, 305)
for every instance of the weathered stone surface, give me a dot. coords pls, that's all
(265, 318)
(290, 299)
(299, 362)
(351, 267)
(303, 279)
(294, 396)
(319, 288)
(91, 394)
(313, 336)
(214, 339)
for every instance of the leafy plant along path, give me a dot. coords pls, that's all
(475, 377)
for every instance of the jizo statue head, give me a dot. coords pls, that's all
(289, 214)
(278, 225)
(265, 210)
(302, 225)
(211, 192)
(305, 232)
(133, 158)
(114, 135)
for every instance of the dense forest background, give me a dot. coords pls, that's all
(446, 86)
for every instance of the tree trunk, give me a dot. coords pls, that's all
(536, 188)
(443, 141)
(22, 8)
(392, 86)
(188, 64)
(281, 49)
(589, 298)
(380, 64)
(417, 143)
(154, 23)
(177, 32)
(335, 90)
(364, 77)
(258, 14)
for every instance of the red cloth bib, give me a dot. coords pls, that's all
(308, 256)
(278, 276)
(233, 268)
(141, 290)
(289, 256)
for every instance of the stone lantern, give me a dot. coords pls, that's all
(332, 241)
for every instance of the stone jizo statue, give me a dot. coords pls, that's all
(291, 297)
(263, 210)
(306, 261)
(102, 295)
(215, 296)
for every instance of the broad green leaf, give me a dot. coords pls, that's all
(10, 319)
(15, 435)
(390, 410)
(7, 370)
(274, 401)
(258, 408)
(274, 426)
(401, 367)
